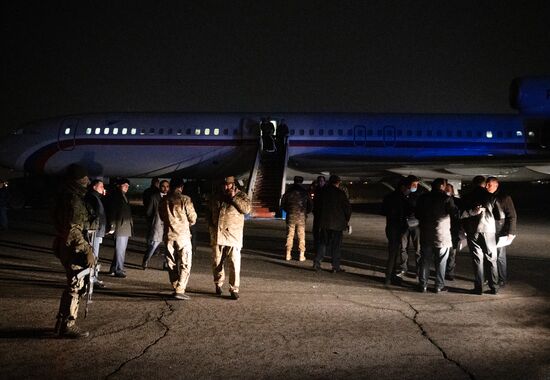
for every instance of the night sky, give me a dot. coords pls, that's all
(218, 56)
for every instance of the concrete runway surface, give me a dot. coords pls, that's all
(290, 322)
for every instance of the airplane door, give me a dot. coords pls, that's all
(66, 134)
(359, 135)
(389, 136)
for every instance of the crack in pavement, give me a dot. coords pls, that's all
(426, 335)
(166, 312)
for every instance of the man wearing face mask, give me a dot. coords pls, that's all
(412, 233)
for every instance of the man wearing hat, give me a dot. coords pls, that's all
(71, 221)
(119, 215)
(226, 224)
(297, 205)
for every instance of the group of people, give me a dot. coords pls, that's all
(436, 222)
(83, 216)
(331, 214)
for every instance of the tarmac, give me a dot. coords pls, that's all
(290, 321)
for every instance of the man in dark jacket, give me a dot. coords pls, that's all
(93, 200)
(71, 219)
(318, 188)
(148, 193)
(434, 210)
(156, 226)
(396, 209)
(478, 220)
(119, 216)
(457, 234)
(411, 236)
(505, 224)
(335, 213)
(297, 205)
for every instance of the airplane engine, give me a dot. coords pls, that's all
(531, 95)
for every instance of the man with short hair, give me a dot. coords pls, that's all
(297, 205)
(226, 223)
(71, 219)
(155, 223)
(478, 219)
(335, 213)
(148, 193)
(93, 197)
(434, 210)
(177, 214)
(121, 223)
(505, 225)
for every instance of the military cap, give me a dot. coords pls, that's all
(76, 171)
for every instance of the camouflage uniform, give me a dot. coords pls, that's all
(177, 213)
(226, 224)
(297, 205)
(72, 220)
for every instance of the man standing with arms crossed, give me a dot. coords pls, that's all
(226, 224)
(177, 213)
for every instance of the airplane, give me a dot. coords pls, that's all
(514, 147)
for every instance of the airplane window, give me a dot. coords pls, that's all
(124, 131)
(97, 131)
(321, 132)
(179, 132)
(106, 131)
(369, 132)
(142, 131)
(115, 131)
(301, 132)
(151, 131)
(311, 132)
(67, 131)
(519, 133)
(340, 132)
(188, 131)
(197, 132)
(216, 131)
(489, 134)
(88, 131)
(409, 133)
(531, 134)
(207, 131)
(292, 132)
(161, 131)
(133, 131)
(226, 132)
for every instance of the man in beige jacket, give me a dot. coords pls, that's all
(177, 213)
(226, 223)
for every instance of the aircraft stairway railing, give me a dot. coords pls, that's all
(267, 181)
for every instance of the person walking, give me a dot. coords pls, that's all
(119, 215)
(177, 213)
(297, 205)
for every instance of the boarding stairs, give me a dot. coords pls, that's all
(267, 181)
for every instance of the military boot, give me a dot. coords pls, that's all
(302, 256)
(73, 332)
(288, 255)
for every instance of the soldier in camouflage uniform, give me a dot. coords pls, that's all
(71, 222)
(226, 224)
(297, 205)
(177, 213)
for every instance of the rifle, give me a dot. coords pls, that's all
(91, 273)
